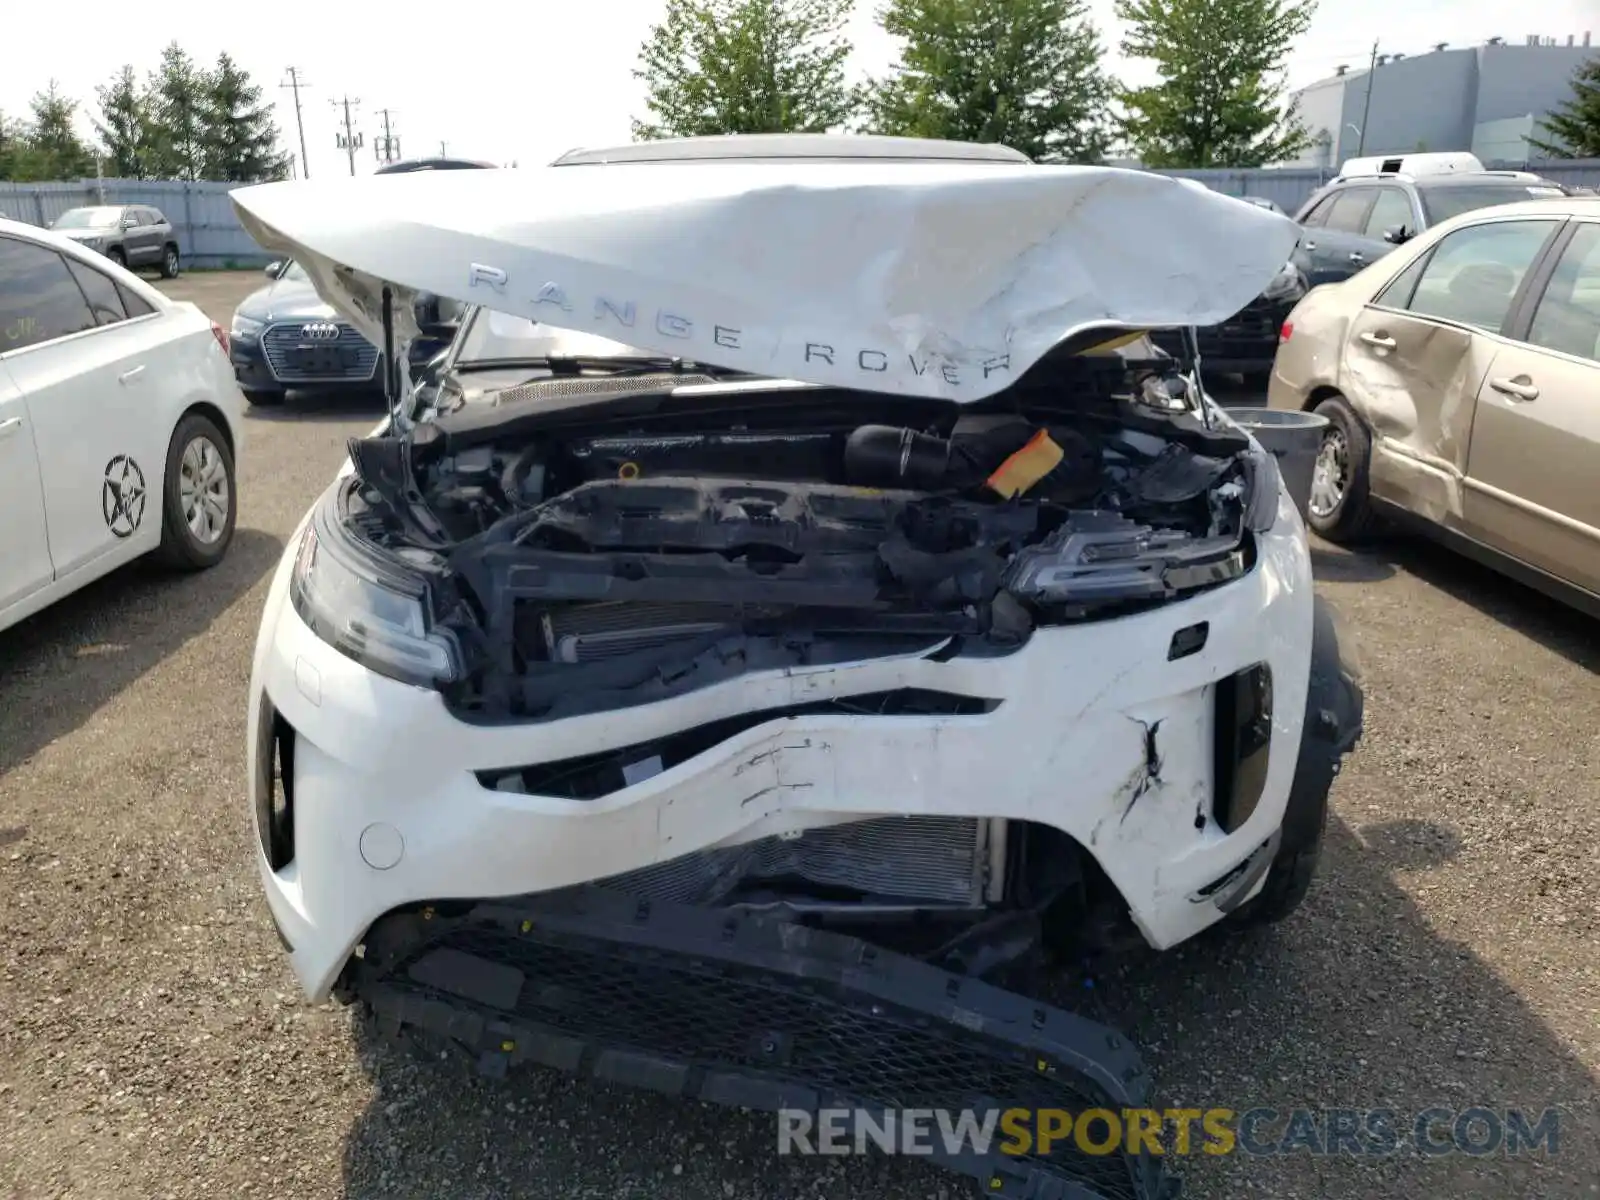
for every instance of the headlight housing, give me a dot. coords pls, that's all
(245, 328)
(1290, 282)
(370, 612)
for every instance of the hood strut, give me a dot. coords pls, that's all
(391, 369)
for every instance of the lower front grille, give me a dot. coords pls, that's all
(298, 352)
(758, 1014)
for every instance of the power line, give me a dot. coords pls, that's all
(350, 140)
(386, 148)
(295, 84)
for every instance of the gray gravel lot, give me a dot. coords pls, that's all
(152, 1043)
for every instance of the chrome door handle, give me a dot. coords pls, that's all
(1309, 245)
(130, 376)
(9, 426)
(1520, 388)
(1381, 340)
(1357, 258)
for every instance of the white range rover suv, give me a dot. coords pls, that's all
(727, 702)
(120, 423)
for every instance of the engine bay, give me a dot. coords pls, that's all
(646, 544)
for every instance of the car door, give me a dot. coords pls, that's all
(1533, 470)
(143, 238)
(1334, 246)
(1391, 210)
(155, 233)
(1416, 355)
(91, 378)
(24, 547)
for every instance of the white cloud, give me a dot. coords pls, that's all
(504, 81)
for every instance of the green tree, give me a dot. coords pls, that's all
(51, 147)
(177, 106)
(124, 126)
(1025, 73)
(11, 146)
(1219, 101)
(1574, 128)
(746, 66)
(239, 136)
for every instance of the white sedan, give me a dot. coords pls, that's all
(119, 423)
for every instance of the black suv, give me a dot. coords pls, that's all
(1357, 219)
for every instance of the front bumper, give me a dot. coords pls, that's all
(250, 366)
(1101, 732)
(756, 1013)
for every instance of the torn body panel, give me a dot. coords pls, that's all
(1416, 385)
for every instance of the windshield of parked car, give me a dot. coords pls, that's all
(87, 218)
(1442, 203)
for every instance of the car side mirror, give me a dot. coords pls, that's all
(273, 268)
(1396, 234)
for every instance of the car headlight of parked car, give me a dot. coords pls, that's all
(364, 608)
(244, 328)
(1290, 281)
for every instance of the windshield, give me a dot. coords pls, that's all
(1442, 203)
(87, 218)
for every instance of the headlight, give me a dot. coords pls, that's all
(245, 327)
(379, 618)
(1288, 282)
(1264, 482)
(92, 243)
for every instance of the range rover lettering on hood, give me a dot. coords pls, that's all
(943, 280)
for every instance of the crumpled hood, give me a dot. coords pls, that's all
(944, 280)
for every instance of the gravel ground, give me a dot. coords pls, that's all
(152, 1042)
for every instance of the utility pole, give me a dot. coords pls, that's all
(1366, 107)
(295, 84)
(349, 141)
(387, 147)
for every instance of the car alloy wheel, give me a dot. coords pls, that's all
(169, 263)
(1331, 474)
(203, 490)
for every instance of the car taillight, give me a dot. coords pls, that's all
(1286, 332)
(221, 335)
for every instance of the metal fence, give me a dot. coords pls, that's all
(209, 234)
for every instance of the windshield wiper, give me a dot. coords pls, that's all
(576, 364)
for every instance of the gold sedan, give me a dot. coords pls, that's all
(1460, 376)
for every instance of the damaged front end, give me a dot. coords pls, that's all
(541, 564)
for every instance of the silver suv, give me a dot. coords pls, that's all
(131, 235)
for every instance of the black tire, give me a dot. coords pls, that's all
(181, 546)
(117, 255)
(259, 399)
(169, 262)
(1351, 516)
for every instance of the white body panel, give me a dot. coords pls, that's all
(1065, 748)
(82, 403)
